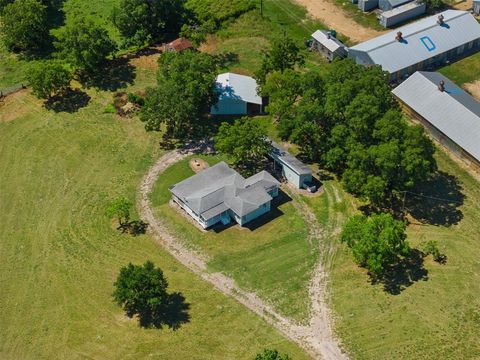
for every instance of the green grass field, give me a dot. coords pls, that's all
(60, 254)
(435, 316)
(464, 71)
(276, 247)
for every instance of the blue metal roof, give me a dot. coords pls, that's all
(422, 40)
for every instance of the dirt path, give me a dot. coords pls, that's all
(334, 17)
(316, 337)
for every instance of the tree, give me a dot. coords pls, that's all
(142, 291)
(245, 143)
(284, 54)
(144, 22)
(24, 25)
(434, 4)
(120, 209)
(270, 354)
(377, 242)
(184, 94)
(48, 78)
(84, 44)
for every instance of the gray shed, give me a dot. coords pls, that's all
(327, 45)
(450, 115)
(367, 5)
(425, 44)
(386, 5)
(402, 13)
(476, 7)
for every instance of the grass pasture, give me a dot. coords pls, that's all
(436, 313)
(274, 246)
(60, 254)
(463, 71)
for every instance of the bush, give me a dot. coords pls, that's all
(48, 78)
(109, 109)
(431, 248)
(135, 99)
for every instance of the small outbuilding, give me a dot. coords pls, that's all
(386, 5)
(367, 5)
(476, 7)
(402, 13)
(328, 45)
(292, 169)
(179, 45)
(450, 115)
(238, 95)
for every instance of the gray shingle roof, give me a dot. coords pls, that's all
(218, 188)
(454, 112)
(288, 159)
(423, 40)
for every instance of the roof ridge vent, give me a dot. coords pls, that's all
(441, 86)
(440, 20)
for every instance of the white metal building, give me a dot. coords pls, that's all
(238, 96)
(450, 115)
(402, 13)
(423, 45)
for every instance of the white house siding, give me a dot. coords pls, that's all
(188, 210)
(229, 107)
(273, 193)
(256, 213)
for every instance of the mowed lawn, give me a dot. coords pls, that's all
(60, 255)
(272, 256)
(437, 316)
(463, 71)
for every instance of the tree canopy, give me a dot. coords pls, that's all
(271, 354)
(142, 291)
(48, 78)
(377, 242)
(120, 209)
(144, 22)
(84, 44)
(245, 143)
(283, 54)
(24, 25)
(184, 93)
(350, 124)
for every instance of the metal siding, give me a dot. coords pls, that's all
(461, 28)
(229, 107)
(402, 14)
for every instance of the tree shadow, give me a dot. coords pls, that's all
(173, 315)
(404, 273)
(226, 59)
(437, 201)
(70, 101)
(115, 74)
(134, 227)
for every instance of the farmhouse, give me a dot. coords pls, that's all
(179, 45)
(450, 114)
(237, 96)
(327, 45)
(220, 194)
(423, 45)
(292, 169)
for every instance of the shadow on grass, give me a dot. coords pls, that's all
(405, 273)
(173, 315)
(437, 201)
(134, 227)
(114, 75)
(71, 101)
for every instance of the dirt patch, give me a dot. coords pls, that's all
(473, 88)
(13, 106)
(463, 5)
(210, 45)
(148, 62)
(334, 17)
(198, 165)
